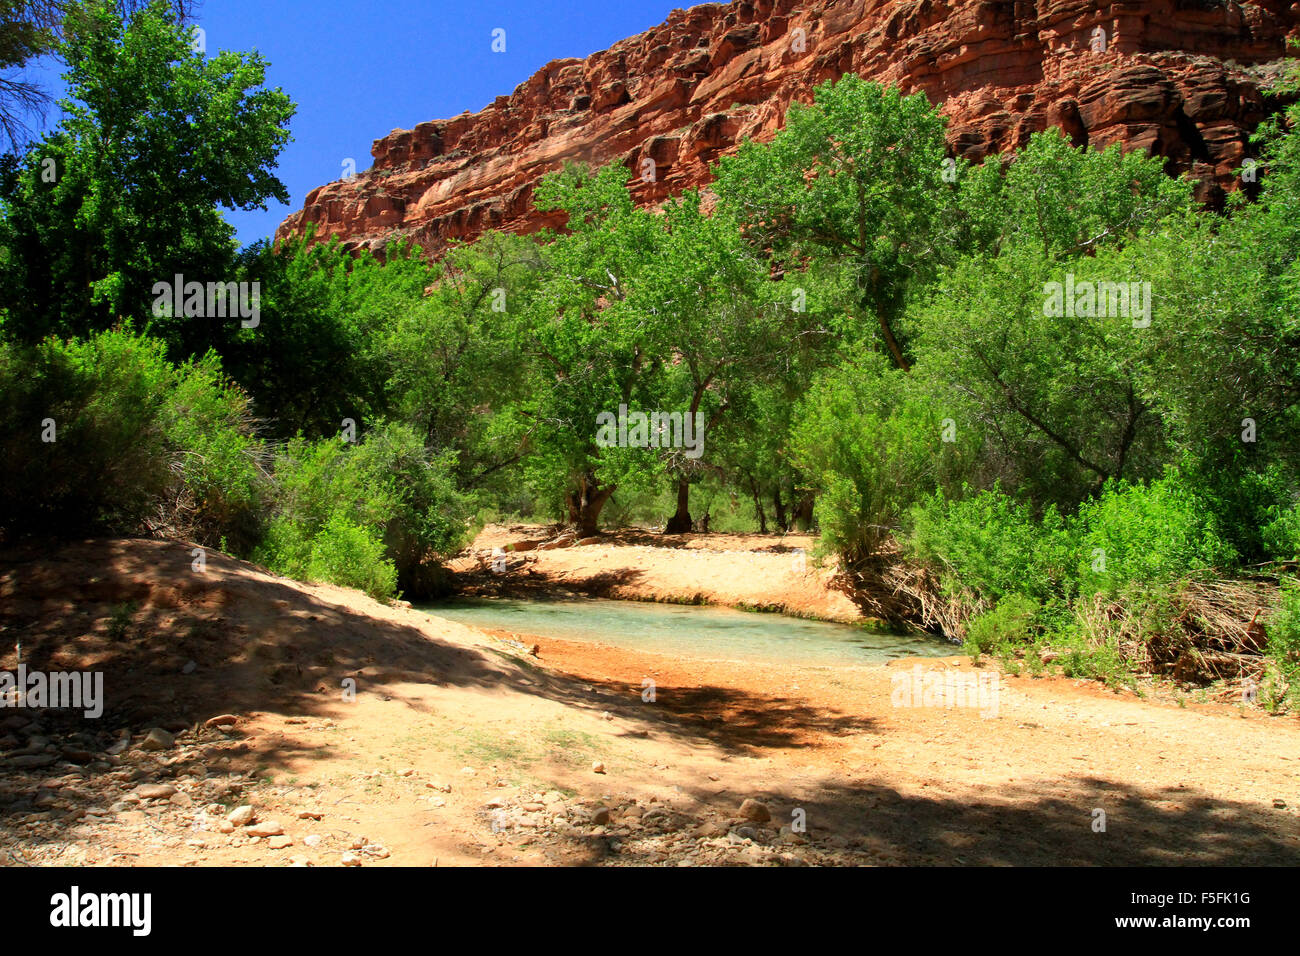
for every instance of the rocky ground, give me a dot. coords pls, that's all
(252, 720)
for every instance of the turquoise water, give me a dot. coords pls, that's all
(710, 633)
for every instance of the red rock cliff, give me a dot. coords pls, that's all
(1180, 78)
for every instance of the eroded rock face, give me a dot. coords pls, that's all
(1179, 78)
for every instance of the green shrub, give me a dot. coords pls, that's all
(1281, 536)
(872, 443)
(1148, 536)
(351, 556)
(1283, 647)
(988, 547)
(137, 443)
(381, 503)
(1007, 626)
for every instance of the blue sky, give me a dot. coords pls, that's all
(360, 68)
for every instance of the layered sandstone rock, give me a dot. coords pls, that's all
(1179, 78)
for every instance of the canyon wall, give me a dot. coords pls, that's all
(1178, 78)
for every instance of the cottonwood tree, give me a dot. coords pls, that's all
(857, 178)
(591, 349)
(156, 137)
(32, 29)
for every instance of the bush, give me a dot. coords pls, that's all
(1283, 647)
(104, 436)
(1148, 536)
(1000, 630)
(1281, 536)
(988, 547)
(374, 515)
(870, 440)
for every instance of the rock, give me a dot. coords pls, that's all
(280, 842)
(351, 859)
(600, 816)
(221, 720)
(755, 810)
(443, 787)
(312, 839)
(190, 667)
(1279, 803)
(1173, 77)
(309, 814)
(241, 816)
(30, 761)
(375, 850)
(225, 826)
(154, 791)
(158, 739)
(266, 828)
(597, 767)
(299, 860)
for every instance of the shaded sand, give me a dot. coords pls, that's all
(509, 741)
(768, 572)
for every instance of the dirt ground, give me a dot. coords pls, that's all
(764, 572)
(460, 749)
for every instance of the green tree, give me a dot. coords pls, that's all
(856, 178)
(124, 193)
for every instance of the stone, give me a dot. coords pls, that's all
(312, 839)
(280, 842)
(266, 828)
(154, 791)
(221, 720)
(597, 767)
(241, 816)
(600, 816)
(158, 739)
(351, 859)
(755, 810)
(30, 761)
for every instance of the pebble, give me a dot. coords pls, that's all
(157, 739)
(241, 816)
(154, 791)
(755, 810)
(351, 859)
(597, 767)
(280, 842)
(267, 828)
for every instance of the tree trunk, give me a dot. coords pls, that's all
(680, 523)
(584, 505)
(803, 512)
(758, 506)
(781, 521)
